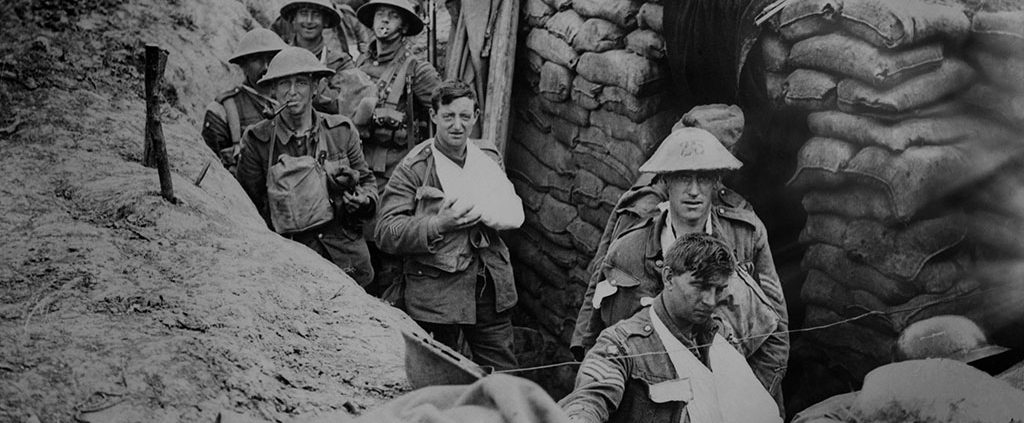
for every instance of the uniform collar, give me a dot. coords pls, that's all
(285, 134)
(395, 50)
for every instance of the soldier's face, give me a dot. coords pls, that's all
(690, 193)
(308, 23)
(388, 23)
(297, 91)
(255, 66)
(454, 121)
(691, 299)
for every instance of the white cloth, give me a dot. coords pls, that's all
(668, 233)
(728, 392)
(482, 183)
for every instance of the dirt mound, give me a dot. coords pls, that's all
(116, 305)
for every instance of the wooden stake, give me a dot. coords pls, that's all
(155, 150)
(499, 81)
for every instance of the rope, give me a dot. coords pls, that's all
(801, 330)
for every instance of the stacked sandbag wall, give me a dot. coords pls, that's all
(590, 105)
(911, 179)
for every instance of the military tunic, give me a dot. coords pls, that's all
(383, 148)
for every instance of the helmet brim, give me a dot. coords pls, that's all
(331, 15)
(413, 24)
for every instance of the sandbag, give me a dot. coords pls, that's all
(845, 55)
(552, 48)
(534, 62)
(773, 88)
(523, 249)
(819, 161)
(565, 25)
(854, 348)
(532, 199)
(952, 106)
(1005, 105)
(855, 201)
(585, 236)
(543, 146)
(805, 18)
(619, 12)
(807, 89)
(524, 166)
(650, 16)
(598, 35)
(897, 251)
(1000, 32)
(857, 276)
(586, 188)
(922, 175)
(723, 121)
(557, 246)
(592, 215)
(1001, 70)
(623, 69)
(565, 110)
(555, 82)
(646, 43)
(901, 135)
(620, 101)
(586, 93)
(936, 390)
(952, 76)
(564, 131)
(615, 161)
(822, 290)
(537, 12)
(559, 4)
(646, 135)
(897, 24)
(556, 215)
(530, 80)
(774, 53)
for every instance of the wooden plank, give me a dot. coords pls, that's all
(499, 81)
(155, 150)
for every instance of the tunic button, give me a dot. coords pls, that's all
(647, 328)
(610, 349)
(321, 236)
(721, 210)
(658, 263)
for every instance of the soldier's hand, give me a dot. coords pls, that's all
(354, 201)
(456, 214)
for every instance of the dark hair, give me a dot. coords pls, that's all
(450, 91)
(706, 256)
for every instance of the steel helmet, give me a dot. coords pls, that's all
(331, 16)
(947, 336)
(690, 149)
(294, 61)
(259, 40)
(413, 23)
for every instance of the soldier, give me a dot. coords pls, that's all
(404, 86)
(307, 20)
(442, 212)
(668, 363)
(234, 110)
(323, 218)
(688, 167)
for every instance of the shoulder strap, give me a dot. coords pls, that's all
(400, 82)
(411, 133)
(234, 122)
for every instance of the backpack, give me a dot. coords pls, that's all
(297, 190)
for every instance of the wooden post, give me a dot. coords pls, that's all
(154, 150)
(499, 81)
